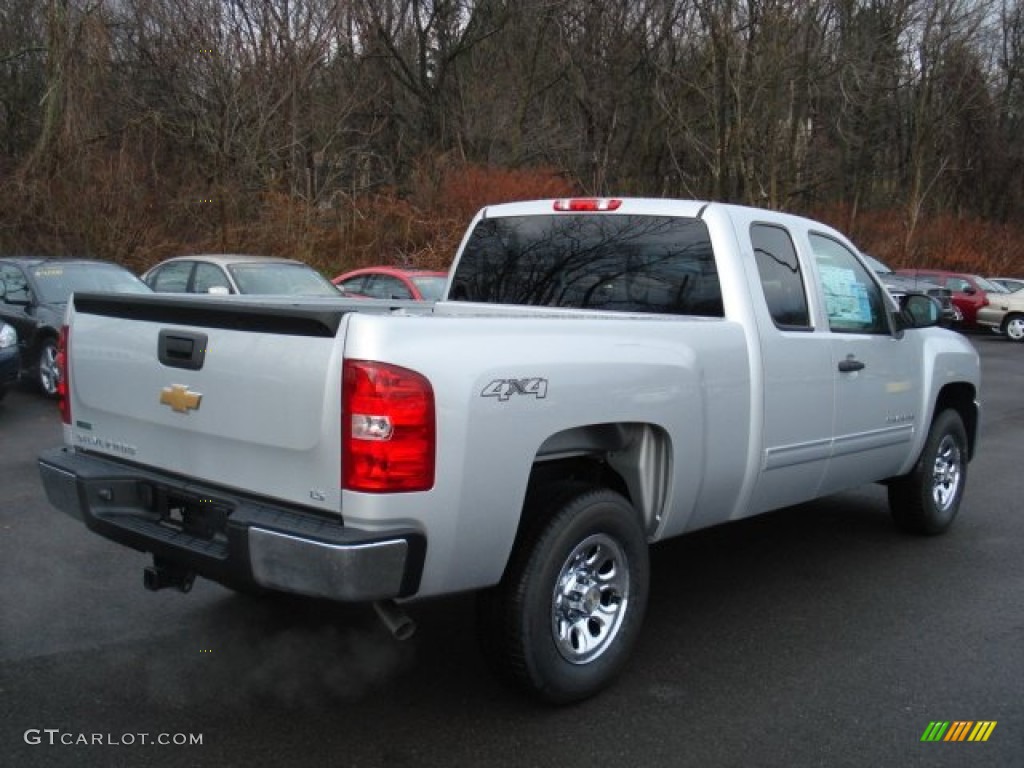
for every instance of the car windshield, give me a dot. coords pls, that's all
(281, 278)
(431, 287)
(988, 286)
(56, 282)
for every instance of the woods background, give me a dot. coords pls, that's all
(348, 132)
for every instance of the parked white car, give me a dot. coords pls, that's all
(1012, 284)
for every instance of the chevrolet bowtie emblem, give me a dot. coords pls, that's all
(180, 398)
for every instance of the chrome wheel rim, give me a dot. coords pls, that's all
(590, 599)
(1015, 328)
(48, 373)
(946, 474)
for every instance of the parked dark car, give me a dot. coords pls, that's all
(393, 283)
(900, 285)
(33, 295)
(970, 292)
(8, 357)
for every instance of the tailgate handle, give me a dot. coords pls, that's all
(182, 349)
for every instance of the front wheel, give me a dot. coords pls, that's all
(564, 618)
(47, 372)
(1013, 327)
(928, 499)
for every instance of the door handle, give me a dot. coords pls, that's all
(850, 364)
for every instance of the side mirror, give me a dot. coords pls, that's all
(970, 291)
(919, 311)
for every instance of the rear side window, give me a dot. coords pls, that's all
(386, 287)
(657, 264)
(781, 279)
(209, 276)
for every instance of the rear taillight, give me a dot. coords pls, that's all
(587, 204)
(63, 380)
(388, 429)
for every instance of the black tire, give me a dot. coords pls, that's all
(1013, 326)
(47, 374)
(563, 620)
(927, 500)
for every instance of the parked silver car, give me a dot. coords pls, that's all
(237, 273)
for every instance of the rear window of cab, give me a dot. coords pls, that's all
(627, 263)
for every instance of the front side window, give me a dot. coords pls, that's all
(958, 285)
(171, 278)
(854, 302)
(353, 285)
(781, 278)
(628, 263)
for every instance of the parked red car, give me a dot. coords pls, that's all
(970, 292)
(393, 283)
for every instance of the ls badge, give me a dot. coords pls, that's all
(180, 398)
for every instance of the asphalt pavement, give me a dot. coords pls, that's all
(814, 636)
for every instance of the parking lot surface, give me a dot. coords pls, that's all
(814, 636)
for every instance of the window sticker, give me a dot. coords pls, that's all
(846, 299)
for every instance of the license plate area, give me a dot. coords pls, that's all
(200, 516)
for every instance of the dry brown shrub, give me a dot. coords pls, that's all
(420, 228)
(940, 241)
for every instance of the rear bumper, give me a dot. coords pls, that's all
(230, 538)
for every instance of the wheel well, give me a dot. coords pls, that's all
(633, 459)
(961, 397)
(1008, 318)
(44, 335)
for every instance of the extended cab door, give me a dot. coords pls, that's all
(797, 374)
(877, 373)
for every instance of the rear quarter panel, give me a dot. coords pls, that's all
(688, 377)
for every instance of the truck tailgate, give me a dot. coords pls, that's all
(159, 381)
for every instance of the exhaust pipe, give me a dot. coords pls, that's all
(160, 576)
(398, 622)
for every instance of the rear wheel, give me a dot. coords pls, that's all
(564, 618)
(928, 499)
(1013, 327)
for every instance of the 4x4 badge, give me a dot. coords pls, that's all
(180, 398)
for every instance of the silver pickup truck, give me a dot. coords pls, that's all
(603, 374)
